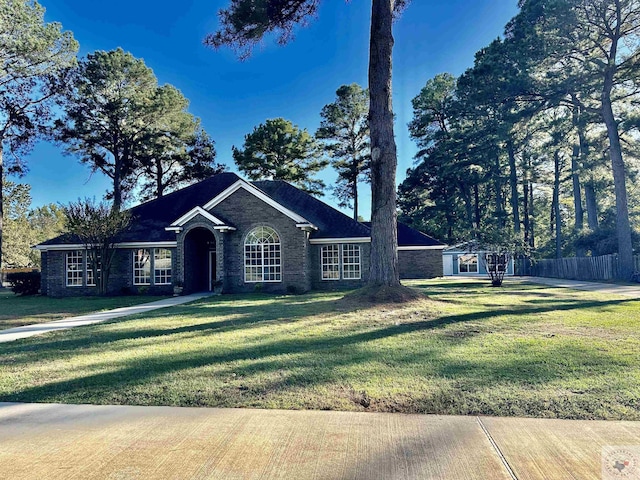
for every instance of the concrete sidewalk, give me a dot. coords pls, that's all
(99, 442)
(25, 331)
(608, 288)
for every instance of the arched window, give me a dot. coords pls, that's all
(262, 259)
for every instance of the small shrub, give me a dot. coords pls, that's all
(25, 283)
(143, 290)
(294, 290)
(127, 291)
(258, 287)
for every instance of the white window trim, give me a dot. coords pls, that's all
(477, 272)
(244, 257)
(359, 277)
(339, 264)
(133, 265)
(170, 268)
(66, 268)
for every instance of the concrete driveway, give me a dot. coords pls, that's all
(50, 441)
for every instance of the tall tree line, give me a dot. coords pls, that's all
(538, 141)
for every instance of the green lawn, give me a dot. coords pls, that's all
(16, 311)
(521, 350)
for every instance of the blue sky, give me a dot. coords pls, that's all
(294, 81)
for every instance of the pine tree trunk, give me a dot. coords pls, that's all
(476, 205)
(575, 168)
(468, 206)
(384, 241)
(513, 180)
(592, 205)
(623, 227)
(355, 200)
(159, 175)
(525, 206)
(556, 204)
(532, 222)
(498, 188)
(577, 191)
(589, 188)
(117, 186)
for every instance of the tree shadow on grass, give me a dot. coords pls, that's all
(297, 361)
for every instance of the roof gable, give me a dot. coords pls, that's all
(253, 190)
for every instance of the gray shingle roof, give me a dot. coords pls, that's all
(151, 218)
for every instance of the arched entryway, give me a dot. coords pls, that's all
(199, 260)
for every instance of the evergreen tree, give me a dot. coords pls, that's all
(279, 150)
(345, 130)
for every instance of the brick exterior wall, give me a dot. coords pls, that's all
(245, 212)
(43, 273)
(300, 261)
(316, 269)
(54, 277)
(420, 263)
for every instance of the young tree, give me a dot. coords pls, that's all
(345, 130)
(279, 150)
(33, 57)
(97, 227)
(246, 22)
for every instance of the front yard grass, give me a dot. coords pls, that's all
(16, 310)
(521, 350)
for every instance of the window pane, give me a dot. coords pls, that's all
(262, 256)
(330, 258)
(351, 262)
(75, 268)
(141, 267)
(468, 263)
(162, 266)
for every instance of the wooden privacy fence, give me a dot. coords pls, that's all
(605, 267)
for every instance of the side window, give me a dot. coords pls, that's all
(468, 263)
(141, 267)
(161, 266)
(330, 262)
(351, 262)
(75, 268)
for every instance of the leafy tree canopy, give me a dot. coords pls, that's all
(97, 226)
